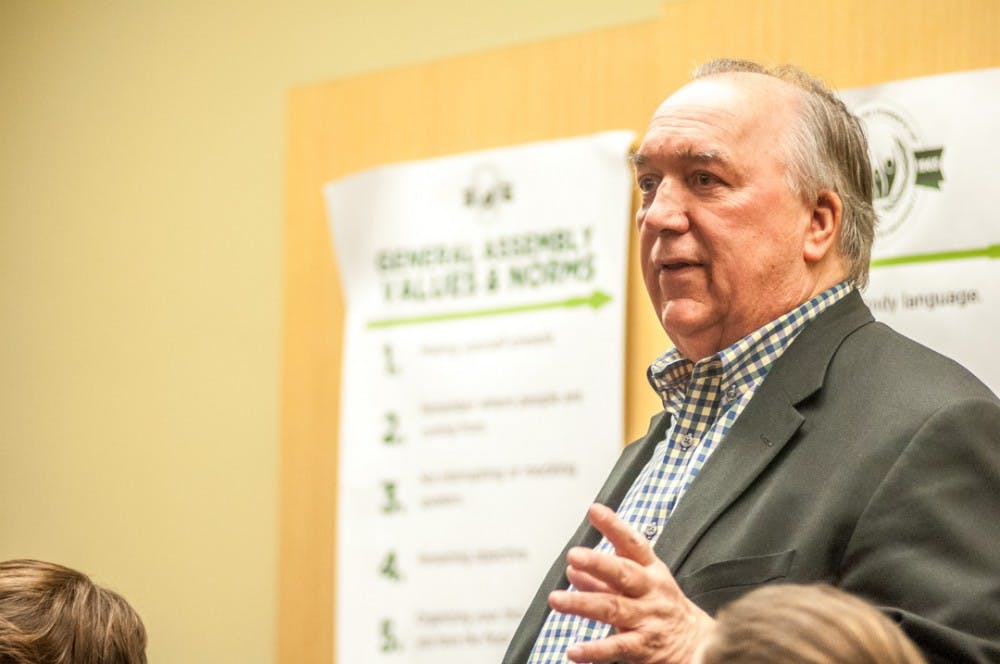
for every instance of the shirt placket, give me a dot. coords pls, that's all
(697, 414)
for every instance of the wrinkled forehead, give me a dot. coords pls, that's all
(743, 96)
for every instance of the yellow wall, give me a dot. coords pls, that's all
(141, 175)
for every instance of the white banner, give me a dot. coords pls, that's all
(482, 386)
(935, 269)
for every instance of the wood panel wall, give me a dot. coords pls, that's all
(608, 79)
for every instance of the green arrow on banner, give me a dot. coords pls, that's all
(992, 251)
(595, 300)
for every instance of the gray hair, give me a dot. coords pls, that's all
(826, 149)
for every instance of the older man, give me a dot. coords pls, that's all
(800, 440)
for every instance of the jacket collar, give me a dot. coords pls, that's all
(768, 423)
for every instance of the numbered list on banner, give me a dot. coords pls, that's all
(482, 395)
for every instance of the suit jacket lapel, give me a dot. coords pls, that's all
(762, 430)
(633, 458)
(766, 425)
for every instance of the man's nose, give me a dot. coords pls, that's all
(668, 209)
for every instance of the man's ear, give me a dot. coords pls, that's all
(824, 226)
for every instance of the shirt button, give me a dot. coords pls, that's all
(650, 530)
(732, 392)
(686, 441)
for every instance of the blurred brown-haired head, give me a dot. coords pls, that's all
(805, 624)
(50, 614)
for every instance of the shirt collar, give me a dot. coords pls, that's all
(746, 362)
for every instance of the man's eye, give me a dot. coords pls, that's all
(703, 179)
(647, 184)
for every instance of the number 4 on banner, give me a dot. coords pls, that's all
(388, 568)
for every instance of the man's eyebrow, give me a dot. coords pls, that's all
(637, 159)
(700, 155)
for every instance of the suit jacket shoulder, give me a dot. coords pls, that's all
(865, 460)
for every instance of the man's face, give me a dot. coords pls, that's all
(721, 234)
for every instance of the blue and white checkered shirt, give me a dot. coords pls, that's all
(703, 399)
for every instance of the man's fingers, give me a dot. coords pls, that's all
(586, 582)
(628, 543)
(603, 607)
(615, 648)
(618, 575)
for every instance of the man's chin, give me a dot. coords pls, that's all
(684, 317)
(691, 327)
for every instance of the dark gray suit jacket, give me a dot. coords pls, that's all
(865, 460)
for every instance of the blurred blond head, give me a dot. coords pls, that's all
(50, 614)
(805, 624)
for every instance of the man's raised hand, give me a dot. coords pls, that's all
(635, 593)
